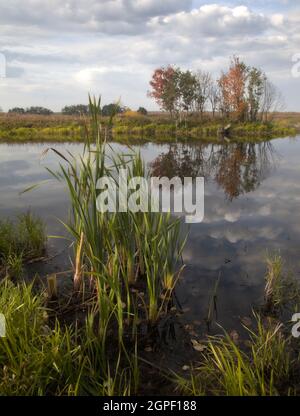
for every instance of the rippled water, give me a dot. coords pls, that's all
(252, 201)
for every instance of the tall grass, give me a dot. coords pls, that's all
(264, 368)
(274, 281)
(20, 241)
(131, 261)
(282, 290)
(115, 250)
(36, 359)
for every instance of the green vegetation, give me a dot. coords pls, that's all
(22, 128)
(137, 126)
(142, 110)
(20, 242)
(147, 245)
(73, 110)
(263, 367)
(38, 359)
(31, 110)
(267, 362)
(161, 129)
(242, 93)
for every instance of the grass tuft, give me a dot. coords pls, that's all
(20, 241)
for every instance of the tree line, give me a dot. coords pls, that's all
(77, 109)
(106, 110)
(241, 93)
(31, 110)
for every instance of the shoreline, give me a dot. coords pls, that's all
(59, 128)
(201, 134)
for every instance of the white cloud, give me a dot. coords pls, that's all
(108, 16)
(277, 19)
(214, 21)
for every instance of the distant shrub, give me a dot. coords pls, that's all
(38, 110)
(17, 110)
(78, 109)
(111, 109)
(143, 111)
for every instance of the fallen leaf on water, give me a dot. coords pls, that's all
(246, 321)
(197, 346)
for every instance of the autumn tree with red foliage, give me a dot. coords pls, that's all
(164, 88)
(242, 93)
(232, 88)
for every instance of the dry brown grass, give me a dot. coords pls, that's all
(292, 118)
(31, 120)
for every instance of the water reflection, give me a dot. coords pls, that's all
(237, 168)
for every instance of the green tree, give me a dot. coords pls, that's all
(111, 109)
(255, 92)
(142, 110)
(78, 109)
(38, 110)
(17, 110)
(187, 84)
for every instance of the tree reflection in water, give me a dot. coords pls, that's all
(237, 168)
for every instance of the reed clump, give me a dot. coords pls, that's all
(117, 251)
(126, 264)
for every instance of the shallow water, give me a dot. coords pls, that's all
(252, 199)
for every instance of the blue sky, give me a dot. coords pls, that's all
(57, 52)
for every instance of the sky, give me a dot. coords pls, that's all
(56, 52)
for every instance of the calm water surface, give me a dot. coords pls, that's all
(252, 206)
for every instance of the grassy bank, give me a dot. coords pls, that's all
(58, 128)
